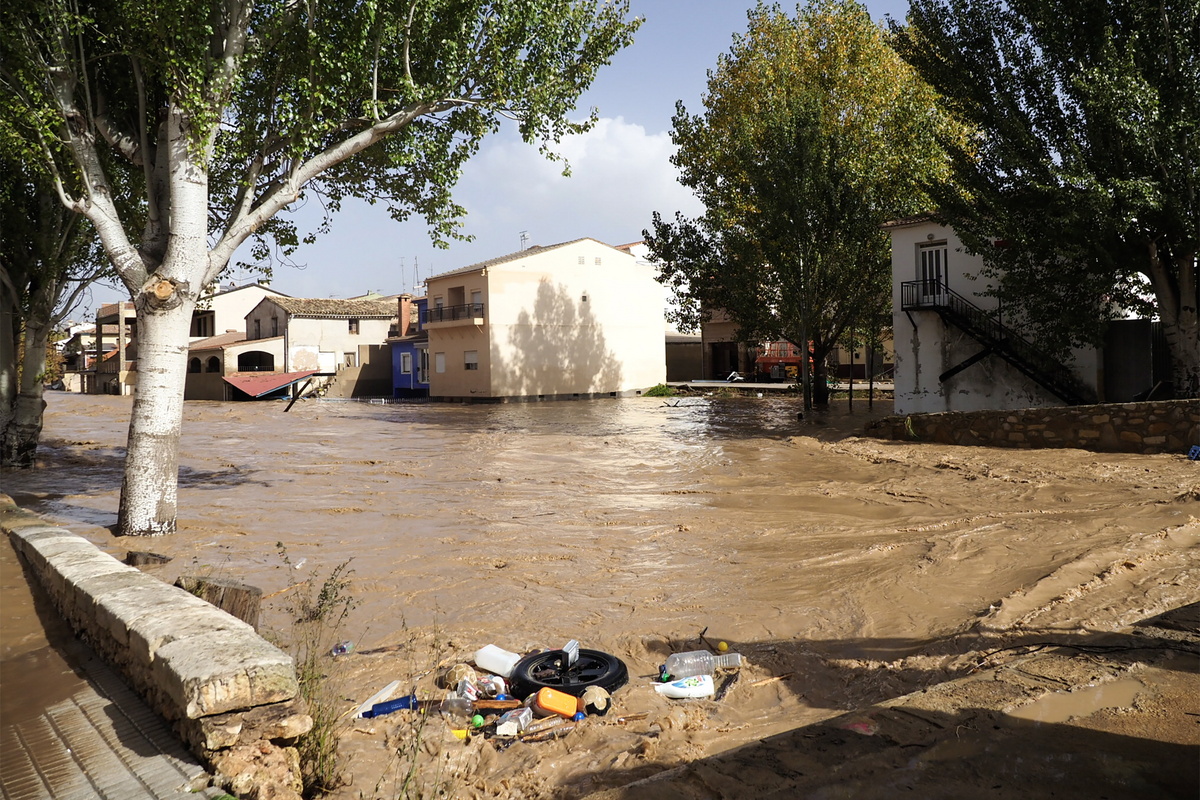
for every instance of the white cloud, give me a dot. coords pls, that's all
(620, 175)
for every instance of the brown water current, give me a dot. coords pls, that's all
(855, 569)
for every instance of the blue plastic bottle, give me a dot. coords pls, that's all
(388, 706)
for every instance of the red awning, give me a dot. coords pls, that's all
(256, 384)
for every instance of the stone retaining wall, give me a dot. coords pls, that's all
(1168, 426)
(228, 692)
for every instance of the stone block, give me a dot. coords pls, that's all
(183, 616)
(1154, 440)
(280, 721)
(118, 610)
(224, 670)
(1131, 437)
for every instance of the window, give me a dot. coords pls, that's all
(213, 364)
(597, 261)
(350, 359)
(257, 329)
(471, 359)
(406, 363)
(194, 365)
(423, 366)
(582, 261)
(354, 326)
(439, 362)
(476, 297)
(274, 326)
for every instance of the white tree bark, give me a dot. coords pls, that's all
(164, 313)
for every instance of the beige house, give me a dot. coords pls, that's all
(578, 319)
(342, 338)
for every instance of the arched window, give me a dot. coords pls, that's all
(194, 365)
(213, 364)
(256, 361)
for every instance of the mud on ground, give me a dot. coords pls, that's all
(901, 605)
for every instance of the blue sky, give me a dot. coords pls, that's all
(621, 171)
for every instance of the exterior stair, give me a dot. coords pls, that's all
(996, 338)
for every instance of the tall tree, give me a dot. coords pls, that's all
(48, 258)
(815, 132)
(1086, 158)
(221, 113)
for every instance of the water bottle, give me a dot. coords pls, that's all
(699, 662)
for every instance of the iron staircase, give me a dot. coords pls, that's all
(996, 338)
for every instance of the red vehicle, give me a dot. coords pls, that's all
(780, 360)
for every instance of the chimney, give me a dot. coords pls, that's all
(405, 302)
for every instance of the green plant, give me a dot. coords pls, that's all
(661, 390)
(317, 616)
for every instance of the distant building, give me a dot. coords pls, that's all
(410, 349)
(343, 339)
(577, 319)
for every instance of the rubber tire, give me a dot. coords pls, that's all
(545, 671)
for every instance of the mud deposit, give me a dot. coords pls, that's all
(848, 571)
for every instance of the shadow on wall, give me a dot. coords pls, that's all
(557, 349)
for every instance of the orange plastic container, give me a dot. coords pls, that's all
(552, 701)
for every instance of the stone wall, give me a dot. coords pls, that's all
(1169, 426)
(228, 692)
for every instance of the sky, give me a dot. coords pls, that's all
(621, 170)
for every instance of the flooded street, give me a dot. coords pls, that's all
(857, 569)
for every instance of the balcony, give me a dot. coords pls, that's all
(445, 316)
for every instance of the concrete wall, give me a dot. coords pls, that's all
(1170, 426)
(925, 347)
(227, 691)
(322, 344)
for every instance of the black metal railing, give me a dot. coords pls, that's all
(452, 313)
(991, 332)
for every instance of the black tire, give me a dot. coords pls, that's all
(548, 670)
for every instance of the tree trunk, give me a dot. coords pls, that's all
(820, 382)
(1183, 342)
(150, 485)
(9, 322)
(24, 428)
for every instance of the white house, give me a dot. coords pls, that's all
(577, 319)
(955, 349)
(224, 309)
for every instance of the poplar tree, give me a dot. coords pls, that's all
(216, 115)
(815, 133)
(1084, 166)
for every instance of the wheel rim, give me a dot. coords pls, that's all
(550, 669)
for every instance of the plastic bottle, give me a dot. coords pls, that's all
(699, 662)
(387, 707)
(695, 686)
(496, 660)
(457, 707)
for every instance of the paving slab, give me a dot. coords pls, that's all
(101, 743)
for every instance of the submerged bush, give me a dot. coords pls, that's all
(661, 390)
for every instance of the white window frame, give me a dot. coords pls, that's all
(439, 362)
(471, 359)
(406, 363)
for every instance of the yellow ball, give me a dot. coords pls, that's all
(722, 646)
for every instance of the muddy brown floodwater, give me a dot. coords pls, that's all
(858, 569)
